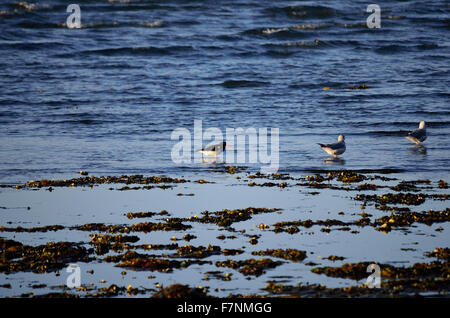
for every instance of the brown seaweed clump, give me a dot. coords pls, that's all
(273, 176)
(91, 180)
(287, 254)
(100, 227)
(231, 251)
(384, 207)
(394, 198)
(281, 185)
(396, 288)
(347, 176)
(440, 253)
(386, 223)
(334, 258)
(442, 184)
(291, 227)
(132, 215)
(358, 271)
(250, 266)
(125, 257)
(181, 291)
(152, 264)
(405, 186)
(227, 217)
(33, 229)
(136, 261)
(368, 186)
(104, 242)
(114, 290)
(198, 252)
(315, 178)
(16, 257)
(171, 224)
(234, 169)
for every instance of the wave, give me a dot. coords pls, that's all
(9, 13)
(397, 48)
(92, 25)
(286, 31)
(149, 50)
(86, 122)
(146, 24)
(304, 11)
(386, 133)
(23, 5)
(243, 83)
(303, 44)
(362, 25)
(30, 45)
(289, 48)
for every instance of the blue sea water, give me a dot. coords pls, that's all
(106, 97)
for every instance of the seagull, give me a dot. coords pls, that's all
(214, 150)
(335, 149)
(419, 135)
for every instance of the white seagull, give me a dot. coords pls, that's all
(335, 149)
(419, 135)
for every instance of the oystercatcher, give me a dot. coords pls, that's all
(214, 150)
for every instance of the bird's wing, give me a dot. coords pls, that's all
(215, 147)
(336, 145)
(418, 133)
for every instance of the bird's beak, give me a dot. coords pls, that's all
(228, 146)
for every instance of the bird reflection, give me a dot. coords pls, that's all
(332, 161)
(211, 160)
(418, 150)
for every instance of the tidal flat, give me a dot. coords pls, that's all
(230, 232)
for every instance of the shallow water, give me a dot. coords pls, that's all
(106, 204)
(105, 99)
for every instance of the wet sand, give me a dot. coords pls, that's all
(231, 232)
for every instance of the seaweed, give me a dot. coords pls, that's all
(16, 257)
(250, 266)
(198, 252)
(227, 217)
(181, 291)
(91, 180)
(287, 254)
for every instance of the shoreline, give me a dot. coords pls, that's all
(236, 233)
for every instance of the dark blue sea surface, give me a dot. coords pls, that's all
(106, 97)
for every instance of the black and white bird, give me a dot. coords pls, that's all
(214, 150)
(335, 149)
(419, 135)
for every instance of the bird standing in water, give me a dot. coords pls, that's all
(214, 150)
(419, 135)
(335, 149)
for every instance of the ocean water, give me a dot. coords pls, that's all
(106, 97)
